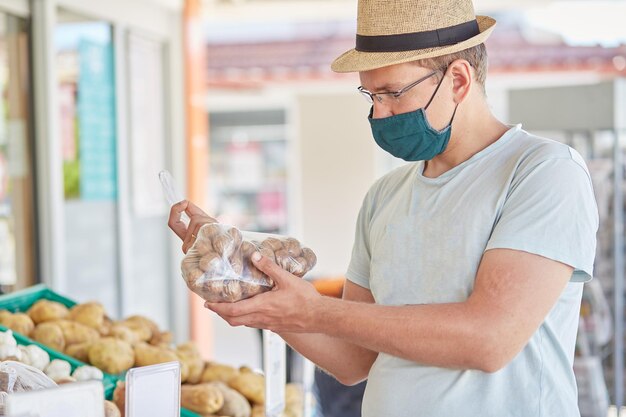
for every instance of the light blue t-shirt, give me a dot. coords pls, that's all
(420, 240)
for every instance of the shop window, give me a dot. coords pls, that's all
(86, 91)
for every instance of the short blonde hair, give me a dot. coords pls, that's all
(476, 56)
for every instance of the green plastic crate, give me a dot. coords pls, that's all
(186, 413)
(21, 301)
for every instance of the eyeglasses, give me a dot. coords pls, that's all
(387, 95)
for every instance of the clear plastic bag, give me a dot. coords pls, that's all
(218, 266)
(19, 377)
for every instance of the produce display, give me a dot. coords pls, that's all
(218, 266)
(86, 333)
(29, 368)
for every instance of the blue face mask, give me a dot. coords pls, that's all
(409, 136)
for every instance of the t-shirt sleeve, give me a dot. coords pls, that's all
(359, 267)
(551, 211)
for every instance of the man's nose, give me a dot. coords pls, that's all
(381, 110)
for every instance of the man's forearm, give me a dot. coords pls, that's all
(444, 335)
(346, 361)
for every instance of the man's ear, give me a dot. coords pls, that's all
(463, 80)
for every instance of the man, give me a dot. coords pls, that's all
(464, 287)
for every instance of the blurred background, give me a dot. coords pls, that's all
(236, 99)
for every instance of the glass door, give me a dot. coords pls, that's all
(88, 126)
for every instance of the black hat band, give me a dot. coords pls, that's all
(418, 40)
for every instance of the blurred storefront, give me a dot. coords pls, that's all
(97, 99)
(93, 95)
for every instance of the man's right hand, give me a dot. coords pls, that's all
(188, 233)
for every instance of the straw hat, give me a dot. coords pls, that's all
(395, 31)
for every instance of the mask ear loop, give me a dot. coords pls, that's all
(436, 89)
(453, 114)
(433, 96)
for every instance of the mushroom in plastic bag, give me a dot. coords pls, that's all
(218, 266)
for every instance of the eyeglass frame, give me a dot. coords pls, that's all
(369, 96)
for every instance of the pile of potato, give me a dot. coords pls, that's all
(86, 333)
(224, 391)
(218, 266)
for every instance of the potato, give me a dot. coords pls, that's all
(125, 333)
(119, 396)
(281, 255)
(193, 276)
(295, 259)
(251, 288)
(202, 247)
(251, 385)
(236, 263)
(235, 404)
(144, 320)
(215, 372)
(228, 290)
(298, 266)
(259, 411)
(162, 339)
(46, 310)
(273, 243)
(203, 398)
(247, 249)
(79, 351)
(227, 241)
(112, 355)
(142, 325)
(211, 262)
(310, 257)
(111, 410)
(208, 232)
(50, 334)
(291, 411)
(293, 247)
(294, 394)
(146, 354)
(142, 333)
(105, 329)
(18, 322)
(75, 333)
(188, 353)
(268, 253)
(294, 401)
(190, 263)
(88, 314)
